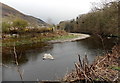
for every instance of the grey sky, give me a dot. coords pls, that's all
(52, 11)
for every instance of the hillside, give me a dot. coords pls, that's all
(9, 13)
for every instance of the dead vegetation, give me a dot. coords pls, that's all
(104, 68)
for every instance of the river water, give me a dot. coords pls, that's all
(35, 68)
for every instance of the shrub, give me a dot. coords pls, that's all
(5, 27)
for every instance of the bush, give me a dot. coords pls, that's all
(5, 27)
(20, 24)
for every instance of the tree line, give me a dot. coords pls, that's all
(102, 20)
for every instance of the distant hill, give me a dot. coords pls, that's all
(10, 14)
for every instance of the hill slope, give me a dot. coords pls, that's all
(10, 14)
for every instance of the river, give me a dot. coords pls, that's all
(65, 54)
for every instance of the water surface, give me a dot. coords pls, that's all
(65, 54)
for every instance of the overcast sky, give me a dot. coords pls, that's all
(52, 11)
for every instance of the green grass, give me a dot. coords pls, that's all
(22, 41)
(59, 38)
(115, 68)
(97, 79)
(67, 37)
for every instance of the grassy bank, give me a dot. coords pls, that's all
(63, 37)
(37, 38)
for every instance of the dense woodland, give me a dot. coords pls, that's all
(103, 19)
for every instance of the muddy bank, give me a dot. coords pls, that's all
(76, 37)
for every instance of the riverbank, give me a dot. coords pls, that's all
(74, 37)
(51, 37)
(104, 68)
(31, 38)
